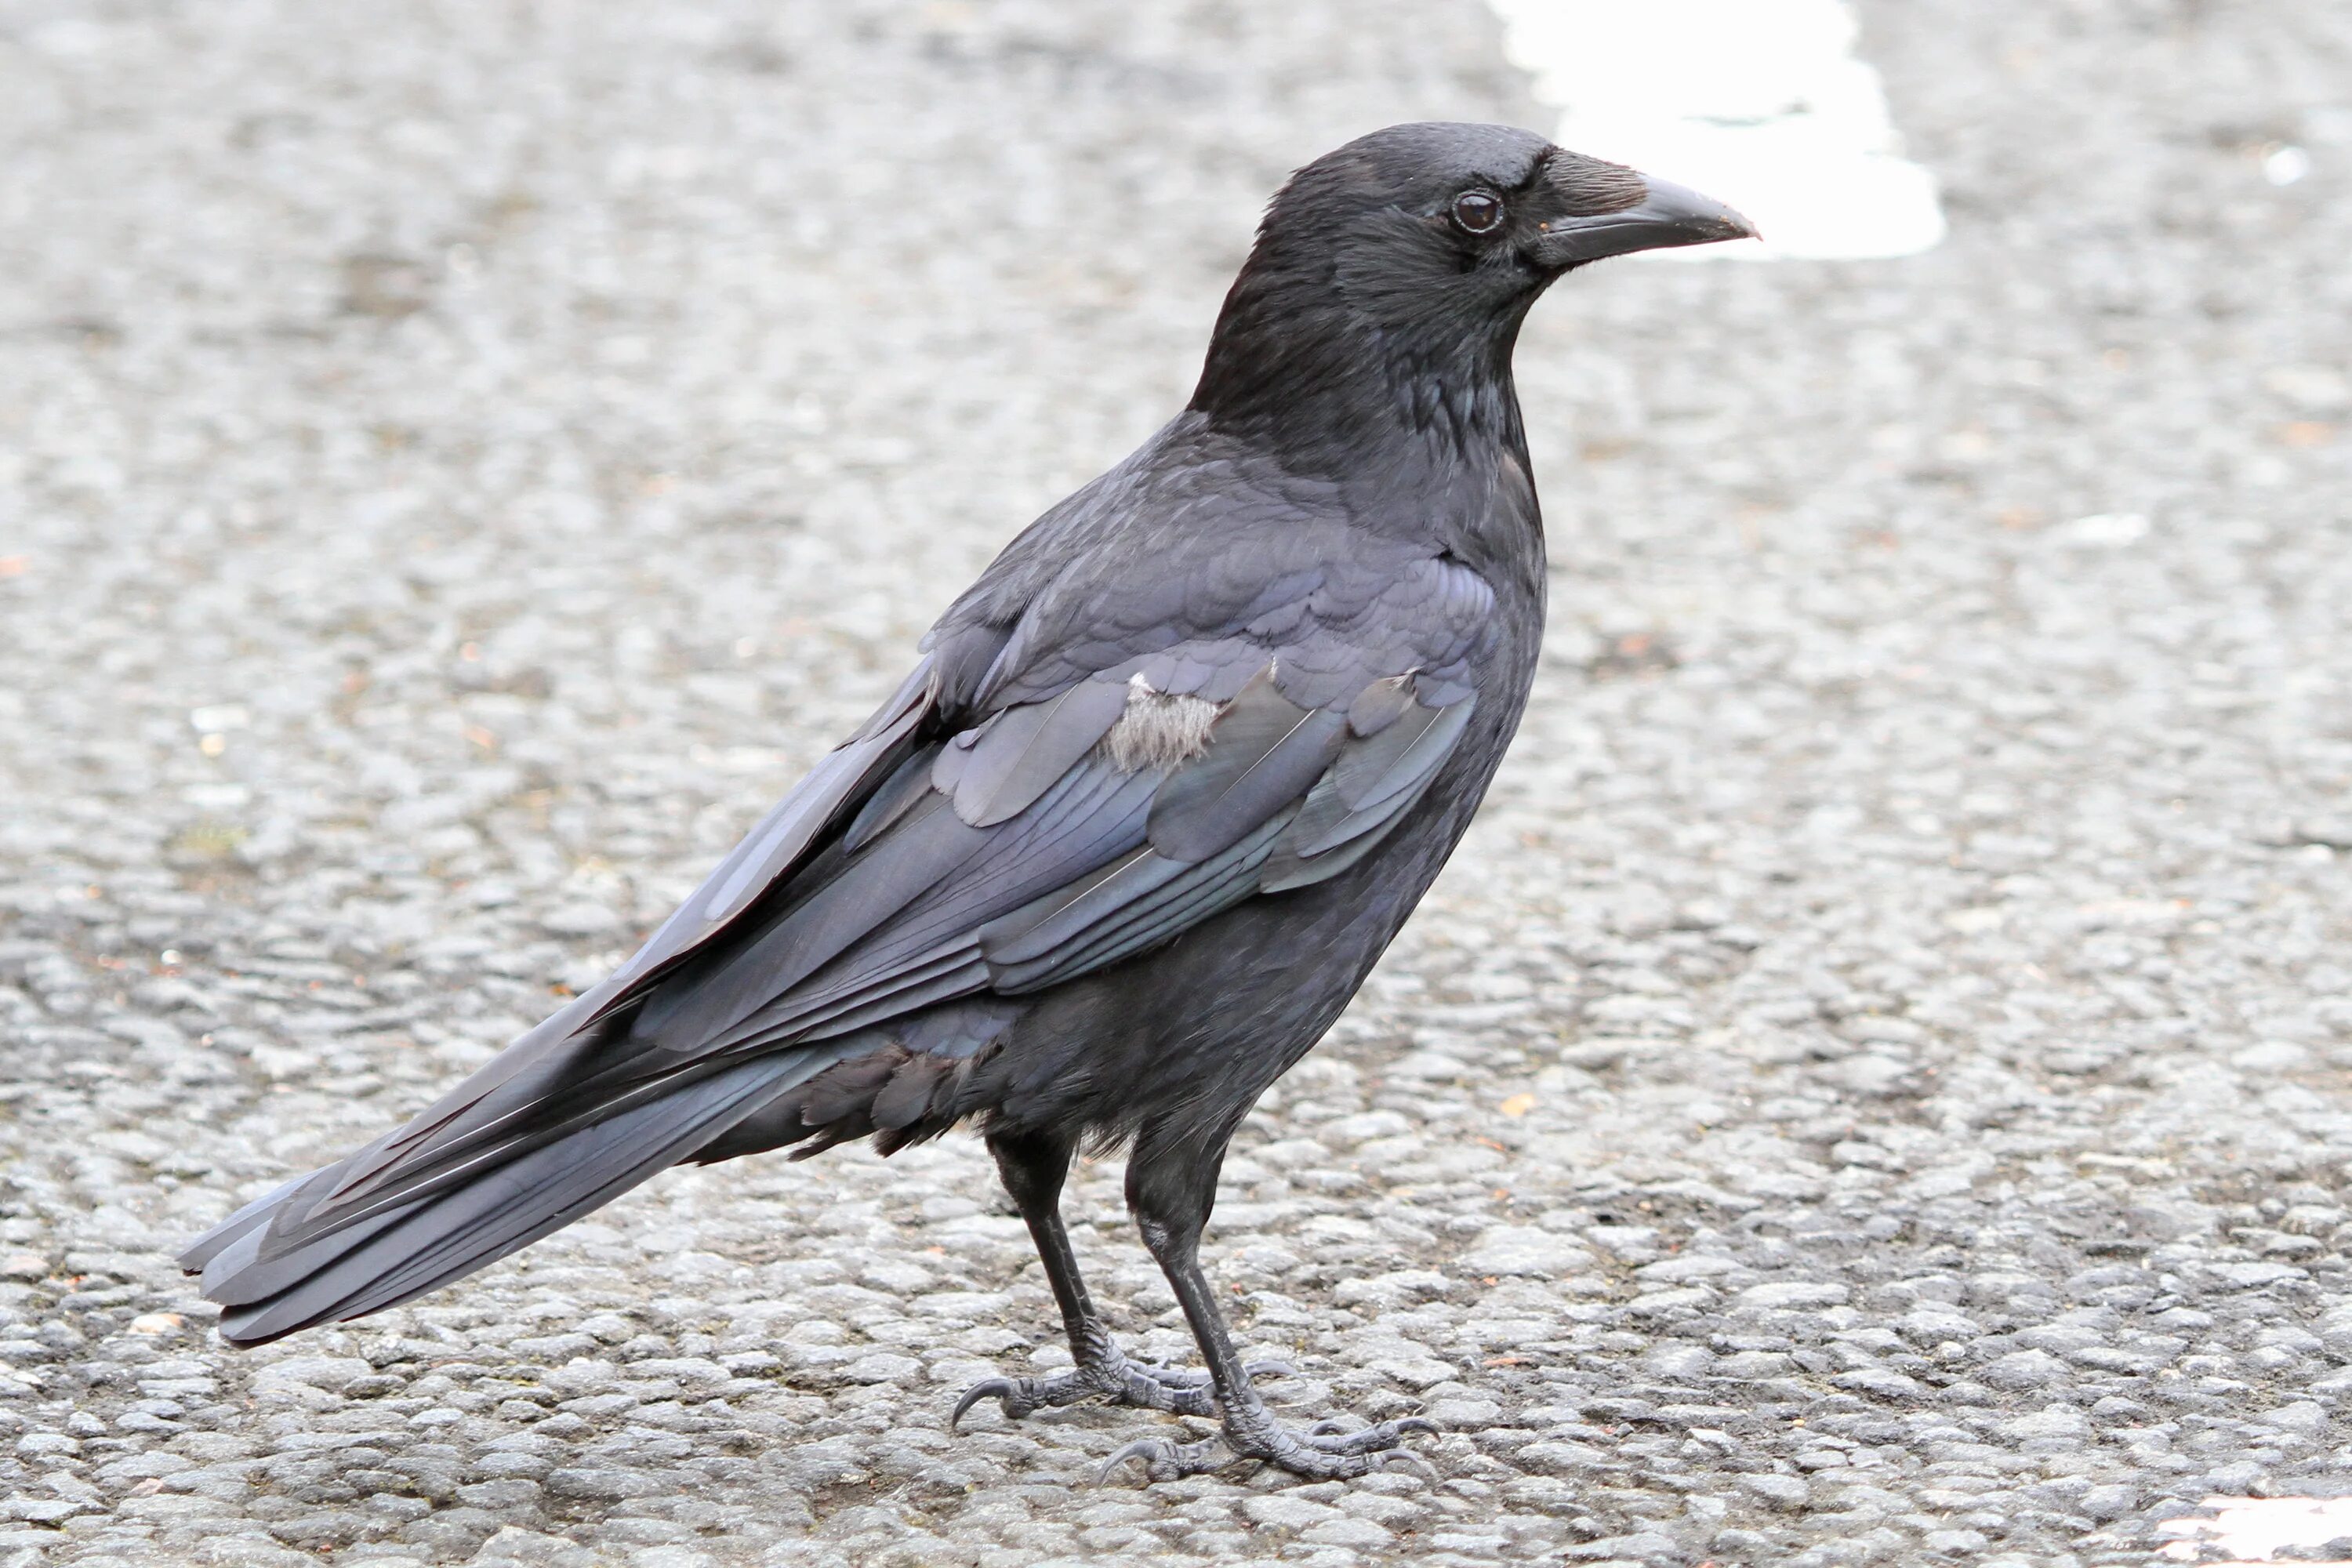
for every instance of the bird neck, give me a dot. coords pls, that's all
(1305, 372)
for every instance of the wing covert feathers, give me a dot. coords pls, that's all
(1264, 752)
(848, 965)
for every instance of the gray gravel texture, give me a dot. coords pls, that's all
(1872, 1089)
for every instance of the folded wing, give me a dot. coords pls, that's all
(892, 911)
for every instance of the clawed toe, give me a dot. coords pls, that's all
(1177, 1391)
(1385, 1434)
(1159, 1388)
(1164, 1460)
(1322, 1453)
(1168, 1376)
(1004, 1390)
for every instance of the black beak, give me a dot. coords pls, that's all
(1667, 215)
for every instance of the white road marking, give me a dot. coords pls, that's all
(1760, 104)
(2286, 165)
(2253, 1529)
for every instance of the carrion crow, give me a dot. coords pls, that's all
(1160, 789)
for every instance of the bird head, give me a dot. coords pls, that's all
(1442, 209)
(1424, 245)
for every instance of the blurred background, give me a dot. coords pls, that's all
(459, 463)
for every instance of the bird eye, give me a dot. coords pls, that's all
(1478, 211)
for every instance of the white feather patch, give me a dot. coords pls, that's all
(1158, 729)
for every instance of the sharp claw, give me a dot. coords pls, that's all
(1144, 1448)
(996, 1388)
(1271, 1369)
(1329, 1424)
(1423, 1424)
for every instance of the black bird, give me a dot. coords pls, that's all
(1162, 785)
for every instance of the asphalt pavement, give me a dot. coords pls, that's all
(1875, 1087)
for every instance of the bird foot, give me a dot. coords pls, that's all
(1113, 1380)
(1321, 1453)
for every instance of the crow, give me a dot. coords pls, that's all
(1159, 789)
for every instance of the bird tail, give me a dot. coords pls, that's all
(275, 1270)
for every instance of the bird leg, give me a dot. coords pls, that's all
(1032, 1169)
(1170, 1191)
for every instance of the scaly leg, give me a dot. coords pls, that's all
(1170, 1190)
(1032, 1169)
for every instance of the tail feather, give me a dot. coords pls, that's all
(392, 1257)
(576, 1112)
(199, 1253)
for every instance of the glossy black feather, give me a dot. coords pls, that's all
(976, 907)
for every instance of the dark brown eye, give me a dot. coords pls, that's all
(1478, 211)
